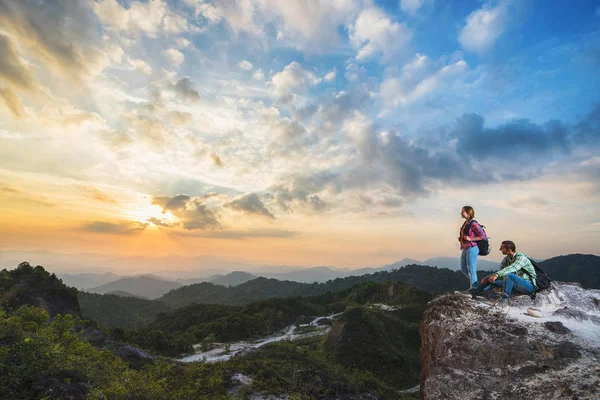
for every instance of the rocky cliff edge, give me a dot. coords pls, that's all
(471, 349)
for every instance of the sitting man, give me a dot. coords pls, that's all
(516, 273)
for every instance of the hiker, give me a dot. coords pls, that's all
(470, 233)
(516, 273)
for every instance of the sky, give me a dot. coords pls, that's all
(301, 132)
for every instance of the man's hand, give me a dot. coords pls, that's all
(493, 278)
(484, 280)
(467, 238)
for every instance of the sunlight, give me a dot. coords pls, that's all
(144, 214)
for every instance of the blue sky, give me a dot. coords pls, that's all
(261, 128)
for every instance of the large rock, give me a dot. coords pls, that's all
(472, 350)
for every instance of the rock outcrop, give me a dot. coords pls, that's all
(473, 350)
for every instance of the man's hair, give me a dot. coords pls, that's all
(470, 211)
(510, 245)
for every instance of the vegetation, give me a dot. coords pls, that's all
(113, 311)
(582, 268)
(431, 279)
(49, 358)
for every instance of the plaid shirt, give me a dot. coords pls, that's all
(518, 265)
(474, 231)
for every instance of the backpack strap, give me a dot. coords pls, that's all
(532, 294)
(465, 231)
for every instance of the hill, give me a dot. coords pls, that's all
(42, 358)
(147, 286)
(582, 268)
(85, 281)
(453, 263)
(432, 279)
(122, 293)
(232, 279)
(113, 311)
(27, 285)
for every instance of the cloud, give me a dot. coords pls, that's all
(190, 211)
(185, 89)
(141, 66)
(375, 34)
(59, 34)
(250, 203)
(148, 129)
(206, 10)
(299, 189)
(513, 141)
(142, 17)
(311, 27)
(330, 76)
(259, 75)
(7, 189)
(175, 56)
(484, 27)
(418, 78)
(587, 131)
(158, 222)
(293, 78)
(411, 6)
(124, 228)
(216, 160)
(180, 118)
(96, 194)
(247, 65)
(241, 235)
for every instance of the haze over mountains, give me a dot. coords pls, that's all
(91, 271)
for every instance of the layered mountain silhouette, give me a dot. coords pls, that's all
(147, 286)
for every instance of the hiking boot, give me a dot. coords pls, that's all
(502, 303)
(465, 293)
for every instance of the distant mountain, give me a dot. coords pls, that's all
(85, 281)
(122, 293)
(307, 275)
(453, 263)
(582, 268)
(147, 286)
(398, 264)
(432, 279)
(232, 279)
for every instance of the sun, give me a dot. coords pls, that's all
(145, 214)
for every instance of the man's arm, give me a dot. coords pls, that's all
(520, 261)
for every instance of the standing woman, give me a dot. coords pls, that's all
(469, 234)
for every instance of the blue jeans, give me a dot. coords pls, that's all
(508, 284)
(468, 264)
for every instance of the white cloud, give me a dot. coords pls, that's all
(293, 78)
(417, 79)
(148, 17)
(112, 14)
(484, 27)
(311, 26)
(182, 43)
(247, 65)
(259, 75)
(175, 56)
(175, 24)
(374, 33)
(330, 76)
(411, 6)
(206, 10)
(141, 66)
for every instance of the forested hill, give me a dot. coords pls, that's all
(431, 279)
(582, 268)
